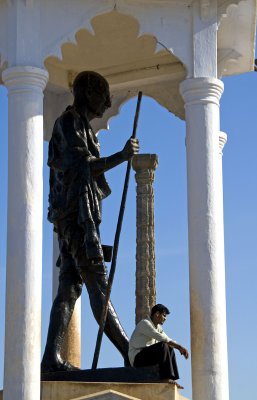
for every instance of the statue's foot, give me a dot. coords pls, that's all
(126, 362)
(58, 366)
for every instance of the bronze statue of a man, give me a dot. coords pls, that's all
(77, 187)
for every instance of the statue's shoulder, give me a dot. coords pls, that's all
(69, 119)
(69, 114)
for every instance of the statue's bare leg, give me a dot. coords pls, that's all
(96, 284)
(70, 288)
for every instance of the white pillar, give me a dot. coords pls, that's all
(71, 348)
(222, 142)
(205, 213)
(24, 234)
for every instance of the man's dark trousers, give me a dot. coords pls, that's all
(160, 354)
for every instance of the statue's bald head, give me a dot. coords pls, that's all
(87, 86)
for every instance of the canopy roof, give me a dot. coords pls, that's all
(143, 44)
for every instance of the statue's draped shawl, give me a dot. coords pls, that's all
(73, 189)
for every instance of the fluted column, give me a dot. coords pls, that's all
(24, 232)
(71, 348)
(145, 165)
(205, 230)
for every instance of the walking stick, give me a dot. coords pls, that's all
(115, 246)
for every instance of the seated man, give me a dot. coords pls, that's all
(149, 345)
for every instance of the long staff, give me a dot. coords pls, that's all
(115, 246)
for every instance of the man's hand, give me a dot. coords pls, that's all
(131, 148)
(184, 352)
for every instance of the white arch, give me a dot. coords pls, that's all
(162, 22)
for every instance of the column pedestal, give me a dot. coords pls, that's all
(145, 165)
(24, 232)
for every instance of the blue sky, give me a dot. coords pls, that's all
(162, 133)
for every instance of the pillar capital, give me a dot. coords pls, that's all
(222, 140)
(24, 78)
(144, 161)
(145, 165)
(201, 90)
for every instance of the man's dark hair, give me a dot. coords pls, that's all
(161, 308)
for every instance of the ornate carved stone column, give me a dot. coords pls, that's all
(25, 86)
(145, 165)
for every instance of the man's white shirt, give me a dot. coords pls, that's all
(145, 334)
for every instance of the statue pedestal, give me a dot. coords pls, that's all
(108, 384)
(109, 391)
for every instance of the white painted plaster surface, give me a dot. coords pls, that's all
(21, 32)
(24, 233)
(187, 39)
(206, 252)
(204, 42)
(221, 265)
(29, 33)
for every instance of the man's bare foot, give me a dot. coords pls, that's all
(167, 381)
(172, 382)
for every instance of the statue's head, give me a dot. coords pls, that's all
(91, 91)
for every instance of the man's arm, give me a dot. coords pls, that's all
(146, 328)
(103, 164)
(183, 351)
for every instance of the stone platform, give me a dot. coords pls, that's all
(108, 384)
(109, 391)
